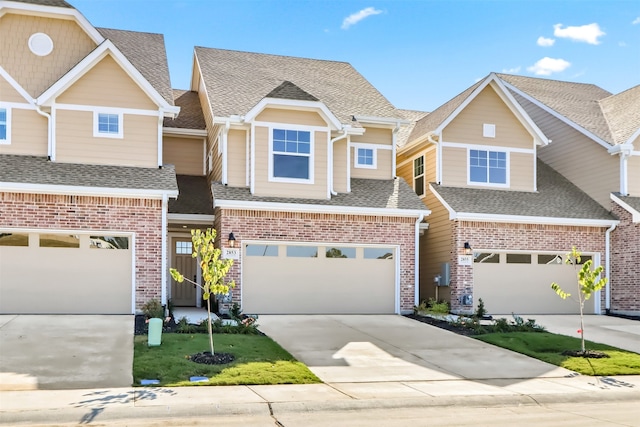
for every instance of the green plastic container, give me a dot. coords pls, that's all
(155, 332)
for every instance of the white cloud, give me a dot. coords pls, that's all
(622, 44)
(354, 18)
(543, 41)
(584, 33)
(514, 70)
(547, 66)
(636, 21)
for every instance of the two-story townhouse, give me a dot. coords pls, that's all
(596, 145)
(83, 190)
(503, 214)
(300, 156)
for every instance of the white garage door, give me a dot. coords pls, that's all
(320, 279)
(62, 273)
(520, 283)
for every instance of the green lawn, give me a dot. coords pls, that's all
(549, 347)
(258, 360)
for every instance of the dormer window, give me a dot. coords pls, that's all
(488, 167)
(291, 155)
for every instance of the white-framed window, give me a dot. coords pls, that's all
(488, 167)
(291, 155)
(418, 175)
(366, 158)
(107, 125)
(5, 125)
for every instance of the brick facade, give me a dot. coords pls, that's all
(61, 212)
(330, 228)
(625, 268)
(527, 237)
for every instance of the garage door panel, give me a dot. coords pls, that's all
(65, 280)
(308, 285)
(525, 288)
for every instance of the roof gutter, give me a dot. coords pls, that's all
(416, 262)
(542, 220)
(607, 266)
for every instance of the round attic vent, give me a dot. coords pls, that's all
(40, 44)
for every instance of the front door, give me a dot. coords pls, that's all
(183, 294)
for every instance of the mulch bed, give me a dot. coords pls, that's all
(207, 358)
(588, 354)
(442, 324)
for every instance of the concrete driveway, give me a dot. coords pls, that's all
(65, 351)
(614, 331)
(380, 348)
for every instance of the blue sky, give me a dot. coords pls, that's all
(419, 54)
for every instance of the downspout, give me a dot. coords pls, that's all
(50, 144)
(160, 149)
(607, 266)
(416, 266)
(225, 133)
(330, 162)
(393, 149)
(623, 174)
(163, 278)
(349, 164)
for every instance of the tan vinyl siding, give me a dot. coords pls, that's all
(633, 171)
(521, 171)
(454, 167)
(374, 136)
(75, 142)
(29, 134)
(340, 166)
(107, 85)
(185, 153)
(406, 169)
(8, 93)
(383, 170)
(570, 150)
(488, 108)
(296, 117)
(263, 187)
(435, 248)
(237, 158)
(212, 132)
(36, 73)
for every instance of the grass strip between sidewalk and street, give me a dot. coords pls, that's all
(258, 360)
(548, 347)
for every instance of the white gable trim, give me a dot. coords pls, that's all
(538, 136)
(635, 215)
(16, 86)
(452, 213)
(99, 53)
(558, 115)
(326, 114)
(55, 12)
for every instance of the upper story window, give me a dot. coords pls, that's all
(107, 125)
(5, 122)
(366, 158)
(418, 175)
(487, 167)
(291, 155)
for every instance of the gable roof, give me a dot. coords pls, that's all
(392, 195)
(190, 116)
(146, 52)
(237, 81)
(194, 198)
(24, 172)
(555, 198)
(402, 137)
(622, 113)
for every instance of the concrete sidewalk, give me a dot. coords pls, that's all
(85, 406)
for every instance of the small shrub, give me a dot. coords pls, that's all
(235, 312)
(184, 327)
(153, 309)
(481, 312)
(438, 307)
(518, 324)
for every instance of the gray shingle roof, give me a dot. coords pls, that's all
(194, 198)
(622, 112)
(147, 53)
(54, 3)
(237, 81)
(579, 102)
(190, 116)
(365, 193)
(38, 170)
(634, 202)
(556, 198)
(413, 116)
(288, 90)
